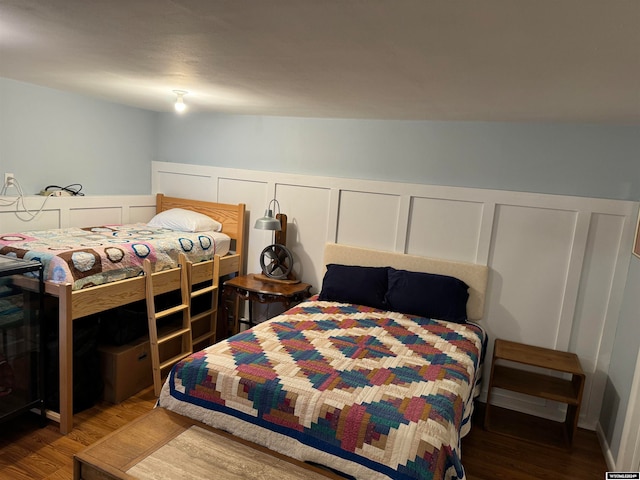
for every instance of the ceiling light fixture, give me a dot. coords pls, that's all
(180, 105)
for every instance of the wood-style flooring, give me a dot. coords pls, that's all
(30, 452)
(491, 456)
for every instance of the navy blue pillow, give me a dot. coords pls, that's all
(355, 284)
(427, 295)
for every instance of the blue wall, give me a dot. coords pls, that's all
(585, 160)
(52, 137)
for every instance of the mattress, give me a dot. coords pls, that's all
(370, 393)
(86, 257)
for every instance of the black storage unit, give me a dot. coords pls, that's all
(87, 378)
(22, 342)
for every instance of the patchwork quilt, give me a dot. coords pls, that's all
(91, 256)
(369, 393)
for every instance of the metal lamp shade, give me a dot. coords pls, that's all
(268, 222)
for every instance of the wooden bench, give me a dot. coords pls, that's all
(163, 444)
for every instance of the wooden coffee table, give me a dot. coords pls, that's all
(163, 444)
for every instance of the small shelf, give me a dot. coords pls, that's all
(542, 385)
(541, 431)
(536, 384)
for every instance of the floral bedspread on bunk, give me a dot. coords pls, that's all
(370, 393)
(91, 256)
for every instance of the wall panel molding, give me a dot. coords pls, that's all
(558, 263)
(81, 211)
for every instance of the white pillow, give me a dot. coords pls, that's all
(185, 221)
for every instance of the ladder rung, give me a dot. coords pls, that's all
(171, 311)
(206, 336)
(174, 360)
(172, 335)
(202, 291)
(198, 316)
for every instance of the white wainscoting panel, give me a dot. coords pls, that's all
(530, 252)
(194, 186)
(307, 210)
(95, 216)
(368, 219)
(444, 228)
(255, 195)
(12, 221)
(81, 211)
(141, 214)
(593, 325)
(558, 264)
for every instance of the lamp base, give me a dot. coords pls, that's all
(284, 281)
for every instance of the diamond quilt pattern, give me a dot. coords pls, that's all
(380, 389)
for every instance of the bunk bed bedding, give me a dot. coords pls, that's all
(76, 303)
(86, 257)
(368, 392)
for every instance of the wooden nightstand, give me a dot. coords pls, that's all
(568, 391)
(252, 288)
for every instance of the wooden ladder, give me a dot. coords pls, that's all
(158, 339)
(204, 286)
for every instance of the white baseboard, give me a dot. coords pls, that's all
(606, 450)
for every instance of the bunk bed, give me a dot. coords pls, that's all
(78, 303)
(373, 378)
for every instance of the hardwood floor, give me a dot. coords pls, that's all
(30, 452)
(491, 456)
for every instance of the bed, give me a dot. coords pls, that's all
(90, 256)
(83, 291)
(375, 377)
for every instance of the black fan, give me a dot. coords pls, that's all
(276, 261)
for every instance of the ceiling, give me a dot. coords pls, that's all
(489, 60)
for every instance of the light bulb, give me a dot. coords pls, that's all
(180, 106)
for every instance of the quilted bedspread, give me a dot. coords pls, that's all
(369, 393)
(91, 256)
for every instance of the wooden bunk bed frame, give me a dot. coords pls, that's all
(75, 304)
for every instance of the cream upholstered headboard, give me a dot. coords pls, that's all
(472, 274)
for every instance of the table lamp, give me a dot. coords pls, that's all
(276, 260)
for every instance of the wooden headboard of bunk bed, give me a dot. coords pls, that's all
(231, 216)
(474, 275)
